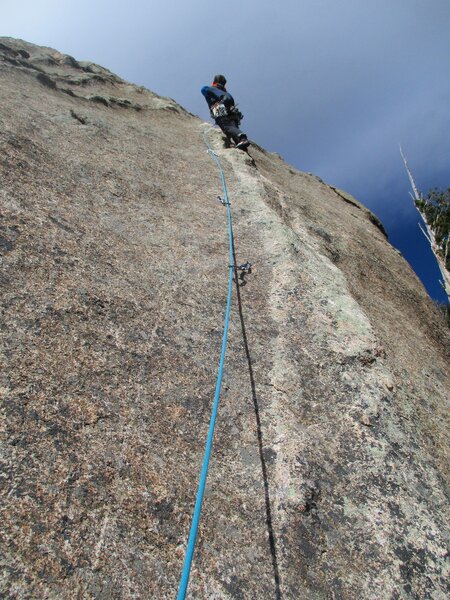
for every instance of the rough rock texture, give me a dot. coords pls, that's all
(328, 475)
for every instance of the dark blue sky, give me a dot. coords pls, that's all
(333, 86)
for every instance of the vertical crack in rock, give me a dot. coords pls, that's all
(265, 454)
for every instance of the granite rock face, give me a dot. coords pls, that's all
(329, 471)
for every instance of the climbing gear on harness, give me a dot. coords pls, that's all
(204, 472)
(218, 110)
(236, 114)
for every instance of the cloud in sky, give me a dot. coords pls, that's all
(332, 86)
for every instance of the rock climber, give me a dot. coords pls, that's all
(225, 113)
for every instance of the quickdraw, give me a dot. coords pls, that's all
(245, 269)
(222, 201)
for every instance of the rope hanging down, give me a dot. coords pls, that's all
(204, 472)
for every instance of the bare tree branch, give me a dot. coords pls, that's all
(428, 230)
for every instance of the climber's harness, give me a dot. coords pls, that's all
(219, 110)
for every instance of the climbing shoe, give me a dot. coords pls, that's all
(243, 144)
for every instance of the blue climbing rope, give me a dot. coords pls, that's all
(204, 472)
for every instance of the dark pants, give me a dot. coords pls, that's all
(230, 128)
